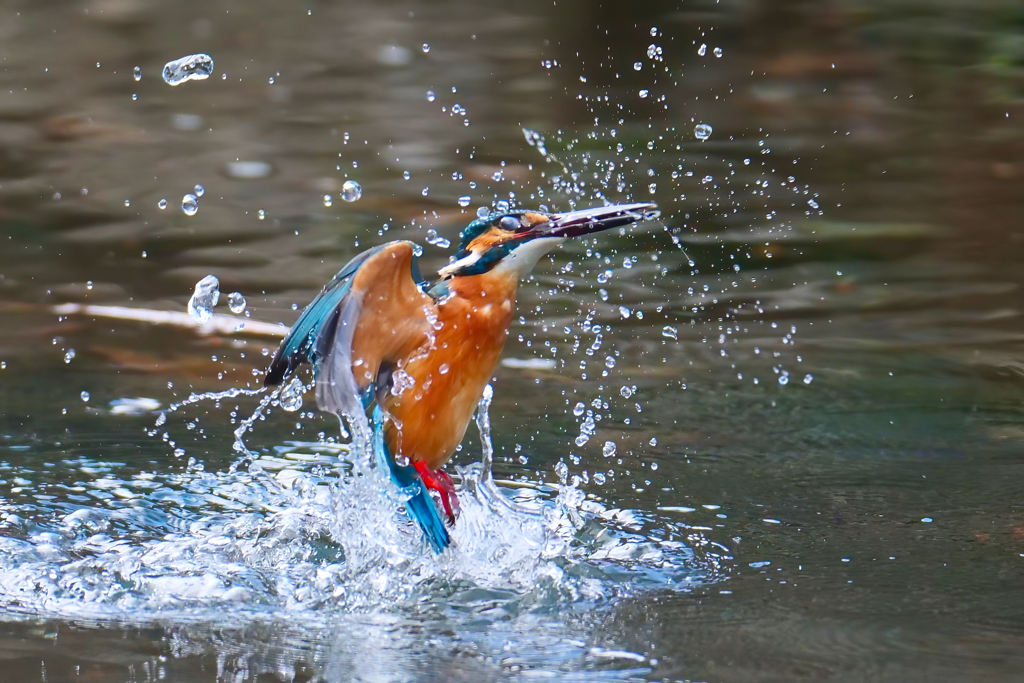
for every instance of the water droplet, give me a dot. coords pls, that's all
(443, 369)
(425, 192)
(652, 188)
(351, 191)
(137, 73)
(162, 204)
(784, 378)
(926, 520)
(536, 140)
(624, 311)
(127, 202)
(654, 31)
(464, 200)
(430, 96)
(625, 391)
(291, 395)
(609, 449)
(637, 66)
(236, 302)
(69, 356)
(609, 362)
(261, 214)
(437, 240)
(670, 332)
(200, 190)
(702, 131)
(808, 378)
(483, 212)
(190, 68)
(88, 285)
(654, 442)
(406, 175)
(270, 80)
(426, 47)
(702, 50)
(813, 204)
(205, 297)
(189, 204)
(85, 396)
(328, 200)
(578, 409)
(718, 52)
(653, 51)
(502, 206)
(643, 94)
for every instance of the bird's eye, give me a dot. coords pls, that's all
(509, 223)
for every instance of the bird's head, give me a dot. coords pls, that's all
(517, 239)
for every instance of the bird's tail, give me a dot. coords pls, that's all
(420, 505)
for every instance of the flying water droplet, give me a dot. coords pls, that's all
(483, 212)
(236, 302)
(702, 50)
(624, 311)
(200, 190)
(406, 175)
(653, 51)
(702, 131)
(437, 240)
(670, 332)
(69, 356)
(351, 191)
(609, 449)
(465, 200)
(609, 362)
(137, 73)
(808, 378)
(189, 204)
(191, 68)
(431, 96)
(578, 409)
(328, 200)
(426, 47)
(718, 52)
(291, 395)
(637, 66)
(205, 297)
(261, 214)
(536, 140)
(162, 204)
(643, 94)
(85, 396)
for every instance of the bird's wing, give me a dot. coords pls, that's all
(371, 315)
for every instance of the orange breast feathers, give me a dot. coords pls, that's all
(450, 373)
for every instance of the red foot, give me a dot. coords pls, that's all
(438, 480)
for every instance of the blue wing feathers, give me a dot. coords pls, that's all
(320, 316)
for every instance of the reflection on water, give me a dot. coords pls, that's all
(816, 351)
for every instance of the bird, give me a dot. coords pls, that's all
(380, 337)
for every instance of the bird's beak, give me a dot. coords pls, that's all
(586, 221)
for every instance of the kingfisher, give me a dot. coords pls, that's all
(380, 337)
